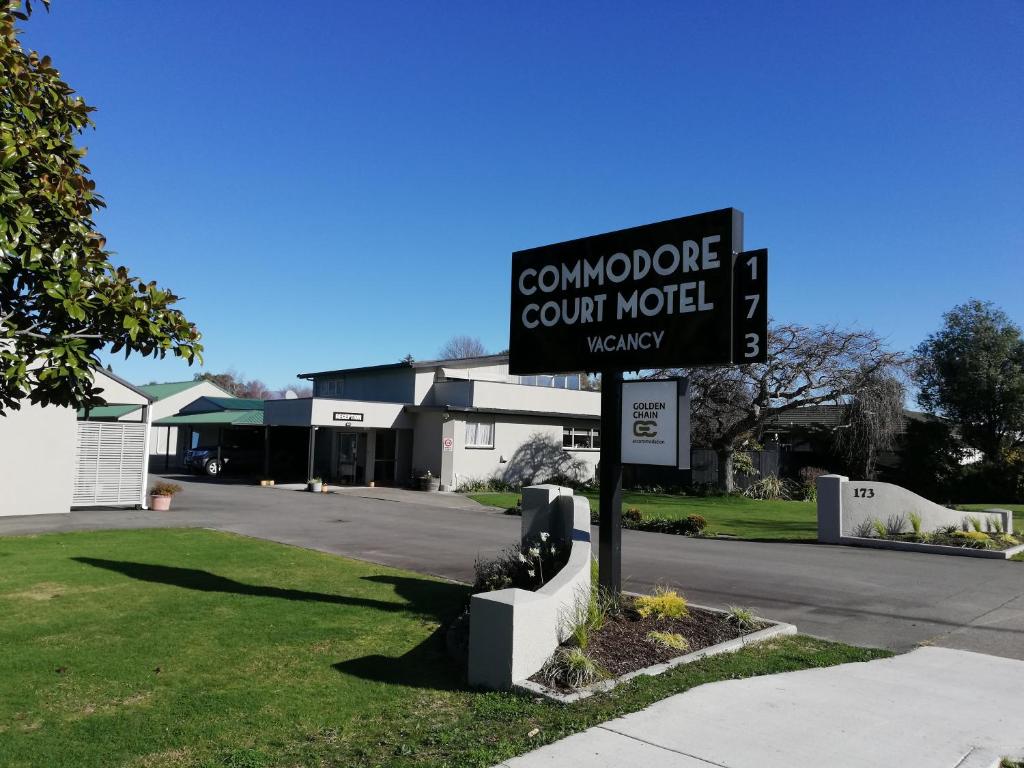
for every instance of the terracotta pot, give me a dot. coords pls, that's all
(159, 503)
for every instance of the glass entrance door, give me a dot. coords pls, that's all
(384, 457)
(348, 456)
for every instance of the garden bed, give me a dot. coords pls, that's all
(907, 543)
(622, 647)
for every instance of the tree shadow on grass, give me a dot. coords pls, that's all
(436, 599)
(425, 666)
(428, 665)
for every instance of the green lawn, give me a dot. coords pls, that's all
(734, 515)
(151, 649)
(1017, 509)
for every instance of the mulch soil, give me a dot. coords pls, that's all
(621, 645)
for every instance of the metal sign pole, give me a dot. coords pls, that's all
(609, 565)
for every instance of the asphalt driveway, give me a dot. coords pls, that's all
(894, 600)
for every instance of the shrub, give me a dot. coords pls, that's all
(974, 539)
(995, 524)
(632, 515)
(880, 529)
(1008, 539)
(572, 667)
(587, 615)
(671, 640)
(809, 481)
(947, 530)
(572, 481)
(864, 529)
(974, 522)
(741, 618)
(770, 488)
(690, 526)
(743, 464)
(490, 485)
(915, 522)
(894, 524)
(527, 566)
(665, 603)
(164, 488)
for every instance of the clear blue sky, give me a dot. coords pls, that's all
(333, 184)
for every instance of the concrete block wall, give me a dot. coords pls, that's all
(513, 631)
(843, 504)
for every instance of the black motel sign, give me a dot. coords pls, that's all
(670, 294)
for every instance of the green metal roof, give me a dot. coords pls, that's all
(108, 411)
(167, 388)
(236, 403)
(235, 417)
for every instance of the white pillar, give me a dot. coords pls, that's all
(371, 454)
(830, 507)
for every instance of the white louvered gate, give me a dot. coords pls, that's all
(110, 467)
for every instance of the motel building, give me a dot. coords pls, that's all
(458, 420)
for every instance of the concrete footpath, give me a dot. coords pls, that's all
(930, 708)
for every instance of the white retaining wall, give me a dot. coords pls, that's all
(512, 632)
(844, 504)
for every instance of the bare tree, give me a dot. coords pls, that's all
(872, 421)
(458, 347)
(237, 385)
(806, 366)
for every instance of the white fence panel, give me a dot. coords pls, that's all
(110, 467)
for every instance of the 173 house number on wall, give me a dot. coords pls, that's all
(863, 493)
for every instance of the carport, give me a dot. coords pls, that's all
(210, 421)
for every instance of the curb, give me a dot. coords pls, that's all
(777, 629)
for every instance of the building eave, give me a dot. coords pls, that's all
(500, 412)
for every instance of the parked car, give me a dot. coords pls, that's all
(214, 460)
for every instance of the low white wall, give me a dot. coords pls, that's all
(512, 632)
(843, 504)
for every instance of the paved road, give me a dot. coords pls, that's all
(894, 600)
(932, 708)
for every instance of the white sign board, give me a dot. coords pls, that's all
(656, 423)
(447, 444)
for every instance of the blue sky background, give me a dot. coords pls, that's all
(333, 184)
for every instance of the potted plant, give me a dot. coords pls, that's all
(315, 484)
(160, 495)
(428, 482)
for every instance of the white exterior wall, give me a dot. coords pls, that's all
(521, 397)
(422, 386)
(526, 450)
(319, 412)
(37, 460)
(480, 372)
(116, 393)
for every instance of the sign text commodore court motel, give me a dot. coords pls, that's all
(675, 294)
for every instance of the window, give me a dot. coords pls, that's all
(579, 439)
(479, 434)
(328, 387)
